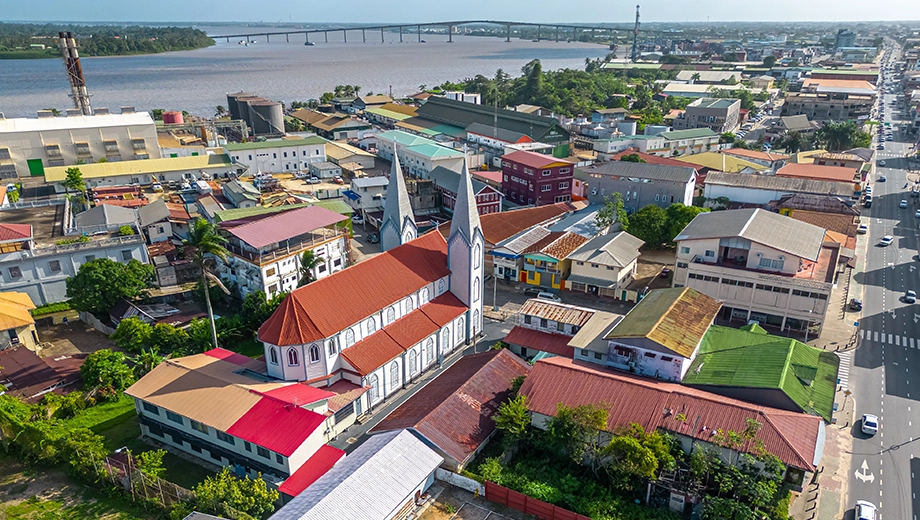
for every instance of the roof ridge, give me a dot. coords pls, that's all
(665, 313)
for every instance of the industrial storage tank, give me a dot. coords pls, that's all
(233, 104)
(173, 118)
(266, 117)
(627, 127)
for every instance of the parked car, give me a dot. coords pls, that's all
(301, 175)
(862, 229)
(869, 424)
(338, 180)
(548, 296)
(357, 219)
(666, 272)
(882, 178)
(313, 180)
(373, 238)
(902, 204)
(856, 304)
(865, 510)
(881, 163)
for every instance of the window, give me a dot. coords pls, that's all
(198, 427)
(682, 265)
(710, 253)
(477, 256)
(528, 171)
(394, 374)
(597, 355)
(544, 323)
(269, 273)
(174, 417)
(476, 289)
(292, 358)
(650, 355)
(15, 272)
(223, 437)
(423, 296)
(563, 185)
(330, 347)
(564, 170)
(349, 338)
(429, 349)
(126, 255)
(391, 314)
(528, 319)
(410, 305)
(770, 263)
(547, 173)
(263, 452)
(371, 326)
(151, 408)
(314, 354)
(413, 362)
(4, 153)
(54, 266)
(560, 326)
(247, 446)
(546, 187)
(273, 356)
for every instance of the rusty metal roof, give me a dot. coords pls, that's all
(563, 245)
(559, 312)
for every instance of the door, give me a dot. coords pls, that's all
(36, 168)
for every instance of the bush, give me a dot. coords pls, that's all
(125, 231)
(48, 308)
(107, 373)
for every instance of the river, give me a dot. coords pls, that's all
(198, 80)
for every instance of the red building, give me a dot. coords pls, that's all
(488, 199)
(530, 178)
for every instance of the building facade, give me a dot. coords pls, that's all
(604, 265)
(279, 155)
(719, 115)
(488, 199)
(640, 184)
(530, 178)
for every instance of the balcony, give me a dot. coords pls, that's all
(317, 238)
(814, 275)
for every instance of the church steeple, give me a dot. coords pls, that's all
(465, 255)
(398, 226)
(466, 215)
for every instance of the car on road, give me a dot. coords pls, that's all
(862, 229)
(373, 238)
(910, 296)
(902, 204)
(855, 304)
(881, 163)
(549, 297)
(917, 213)
(665, 272)
(886, 241)
(880, 146)
(357, 219)
(869, 424)
(865, 510)
(533, 291)
(882, 178)
(868, 190)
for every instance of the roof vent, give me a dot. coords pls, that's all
(101, 111)
(71, 112)
(45, 113)
(127, 110)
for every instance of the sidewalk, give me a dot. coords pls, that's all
(825, 497)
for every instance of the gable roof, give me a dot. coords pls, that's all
(563, 244)
(500, 226)
(818, 172)
(738, 358)
(781, 184)
(798, 123)
(454, 411)
(315, 467)
(658, 172)
(462, 114)
(756, 154)
(143, 166)
(283, 226)
(105, 215)
(763, 227)
(322, 308)
(676, 319)
(14, 310)
(535, 160)
(498, 133)
(795, 438)
(721, 162)
(555, 344)
(449, 180)
(372, 482)
(561, 312)
(651, 158)
(618, 249)
(18, 232)
(153, 212)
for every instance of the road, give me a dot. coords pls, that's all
(884, 466)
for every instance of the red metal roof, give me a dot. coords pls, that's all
(819, 172)
(505, 224)
(534, 159)
(454, 411)
(791, 436)
(411, 328)
(299, 394)
(232, 357)
(276, 425)
(538, 340)
(15, 232)
(371, 352)
(443, 309)
(325, 307)
(315, 467)
(285, 225)
(345, 392)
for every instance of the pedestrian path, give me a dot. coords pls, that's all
(888, 339)
(843, 372)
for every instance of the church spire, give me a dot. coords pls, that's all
(398, 225)
(466, 215)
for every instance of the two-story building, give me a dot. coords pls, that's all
(17, 326)
(530, 178)
(266, 250)
(488, 199)
(640, 184)
(155, 221)
(278, 155)
(549, 265)
(546, 327)
(241, 194)
(417, 155)
(719, 115)
(604, 265)
(761, 265)
(220, 407)
(366, 194)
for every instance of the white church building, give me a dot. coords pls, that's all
(381, 323)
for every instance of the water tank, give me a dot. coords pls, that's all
(266, 117)
(242, 107)
(627, 127)
(233, 106)
(173, 118)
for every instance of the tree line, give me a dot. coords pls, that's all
(102, 40)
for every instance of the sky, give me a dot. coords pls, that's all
(376, 11)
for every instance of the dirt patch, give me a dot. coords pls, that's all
(74, 338)
(453, 503)
(18, 483)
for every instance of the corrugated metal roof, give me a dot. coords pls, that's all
(12, 232)
(591, 335)
(299, 394)
(231, 357)
(500, 226)
(277, 143)
(658, 172)
(44, 124)
(153, 212)
(411, 328)
(316, 466)
(372, 352)
(535, 160)
(781, 184)
(818, 172)
(762, 227)
(105, 215)
(564, 245)
(619, 250)
(721, 162)
(559, 312)
(795, 438)
(285, 226)
(322, 308)
(520, 242)
(757, 154)
(454, 411)
(444, 309)
(143, 167)
(281, 427)
(675, 318)
(370, 484)
(14, 310)
(557, 344)
(692, 133)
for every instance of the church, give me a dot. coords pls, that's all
(367, 331)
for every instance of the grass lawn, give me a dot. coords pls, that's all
(250, 347)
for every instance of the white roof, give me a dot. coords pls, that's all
(24, 124)
(368, 182)
(370, 484)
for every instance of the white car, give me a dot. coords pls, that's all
(862, 229)
(313, 180)
(902, 204)
(357, 219)
(910, 296)
(548, 296)
(886, 241)
(869, 424)
(865, 510)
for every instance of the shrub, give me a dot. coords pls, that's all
(125, 231)
(48, 308)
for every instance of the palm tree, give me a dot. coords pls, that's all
(793, 142)
(308, 262)
(220, 111)
(206, 240)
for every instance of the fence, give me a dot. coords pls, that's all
(124, 473)
(528, 505)
(32, 204)
(93, 322)
(460, 481)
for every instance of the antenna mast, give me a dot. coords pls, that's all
(635, 53)
(68, 46)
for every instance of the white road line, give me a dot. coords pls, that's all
(897, 341)
(889, 339)
(875, 336)
(905, 341)
(862, 333)
(911, 342)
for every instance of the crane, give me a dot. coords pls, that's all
(635, 49)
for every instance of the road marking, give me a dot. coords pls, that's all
(897, 341)
(889, 338)
(843, 370)
(905, 341)
(875, 336)
(911, 342)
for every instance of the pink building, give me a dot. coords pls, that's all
(530, 178)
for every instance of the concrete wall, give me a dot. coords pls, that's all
(280, 159)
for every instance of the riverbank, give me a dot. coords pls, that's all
(53, 53)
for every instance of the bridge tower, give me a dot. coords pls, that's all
(635, 45)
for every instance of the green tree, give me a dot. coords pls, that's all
(146, 361)
(107, 373)
(74, 181)
(256, 309)
(199, 332)
(650, 224)
(308, 262)
(575, 431)
(126, 231)
(151, 463)
(54, 112)
(223, 494)
(100, 283)
(533, 87)
(169, 339)
(679, 216)
(220, 111)
(513, 418)
(157, 114)
(612, 211)
(633, 157)
(769, 61)
(727, 137)
(836, 136)
(132, 334)
(792, 142)
(206, 240)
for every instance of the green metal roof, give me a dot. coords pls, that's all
(225, 215)
(434, 150)
(751, 358)
(282, 143)
(403, 138)
(692, 133)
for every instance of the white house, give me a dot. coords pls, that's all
(761, 189)
(418, 155)
(366, 193)
(658, 338)
(604, 264)
(384, 321)
(278, 155)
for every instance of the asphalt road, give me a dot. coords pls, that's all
(884, 466)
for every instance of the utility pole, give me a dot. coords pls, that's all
(635, 49)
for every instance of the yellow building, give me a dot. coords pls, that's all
(722, 162)
(547, 263)
(16, 324)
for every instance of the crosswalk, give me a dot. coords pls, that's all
(888, 339)
(843, 372)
